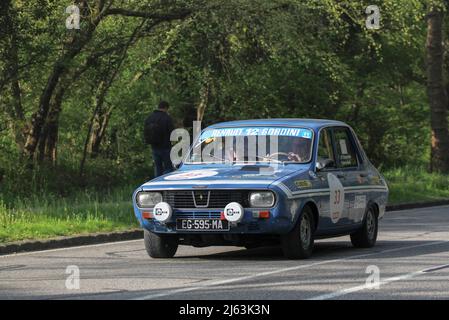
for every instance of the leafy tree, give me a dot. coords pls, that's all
(436, 89)
(75, 100)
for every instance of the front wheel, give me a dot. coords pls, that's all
(160, 245)
(366, 237)
(298, 243)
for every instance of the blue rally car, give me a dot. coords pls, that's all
(263, 182)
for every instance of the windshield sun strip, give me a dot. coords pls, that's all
(188, 155)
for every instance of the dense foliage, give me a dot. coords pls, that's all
(73, 101)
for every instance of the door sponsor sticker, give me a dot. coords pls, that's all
(337, 197)
(303, 184)
(360, 202)
(343, 147)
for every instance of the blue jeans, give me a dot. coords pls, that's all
(162, 161)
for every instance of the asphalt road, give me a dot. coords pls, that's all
(412, 256)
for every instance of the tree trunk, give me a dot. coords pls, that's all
(39, 117)
(14, 108)
(99, 100)
(436, 92)
(49, 136)
(357, 105)
(98, 132)
(100, 119)
(72, 48)
(53, 128)
(204, 96)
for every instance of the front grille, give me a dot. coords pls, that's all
(198, 215)
(201, 198)
(217, 199)
(253, 226)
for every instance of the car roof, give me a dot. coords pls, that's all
(298, 122)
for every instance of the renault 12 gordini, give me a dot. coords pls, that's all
(263, 182)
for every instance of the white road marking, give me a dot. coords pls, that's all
(437, 268)
(68, 248)
(346, 291)
(213, 283)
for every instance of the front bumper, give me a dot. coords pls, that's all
(275, 224)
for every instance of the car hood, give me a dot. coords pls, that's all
(259, 176)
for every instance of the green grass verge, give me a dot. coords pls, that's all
(416, 185)
(44, 216)
(47, 216)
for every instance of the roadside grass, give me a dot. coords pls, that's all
(409, 184)
(45, 215)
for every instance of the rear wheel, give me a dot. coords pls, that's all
(160, 245)
(298, 243)
(366, 237)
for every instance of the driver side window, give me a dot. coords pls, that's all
(325, 150)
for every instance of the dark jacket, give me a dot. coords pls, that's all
(166, 125)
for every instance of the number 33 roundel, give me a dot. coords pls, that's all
(337, 197)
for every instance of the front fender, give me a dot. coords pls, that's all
(297, 208)
(136, 210)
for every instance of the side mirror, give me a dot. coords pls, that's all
(323, 164)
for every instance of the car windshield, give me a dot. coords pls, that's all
(253, 144)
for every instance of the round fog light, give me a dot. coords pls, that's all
(162, 211)
(233, 212)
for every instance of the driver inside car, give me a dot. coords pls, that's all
(299, 150)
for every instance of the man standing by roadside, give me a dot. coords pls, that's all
(157, 130)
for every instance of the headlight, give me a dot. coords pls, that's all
(261, 199)
(148, 199)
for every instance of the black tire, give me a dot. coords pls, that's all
(366, 236)
(298, 243)
(160, 245)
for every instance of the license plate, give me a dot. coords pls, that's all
(202, 225)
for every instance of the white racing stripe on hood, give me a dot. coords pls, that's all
(324, 191)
